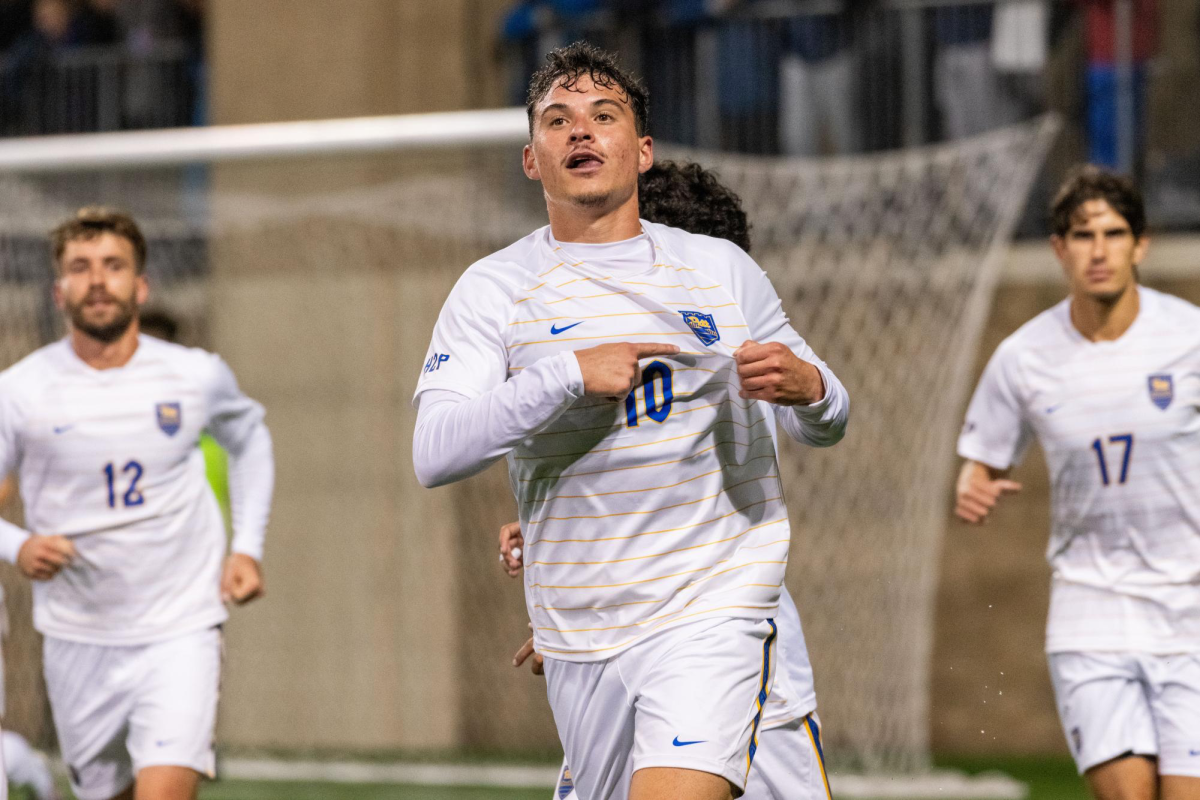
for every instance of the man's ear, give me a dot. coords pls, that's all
(529, 164)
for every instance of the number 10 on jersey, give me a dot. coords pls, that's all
(658, 400)
(1098, 445)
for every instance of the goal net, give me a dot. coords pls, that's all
(388, 627)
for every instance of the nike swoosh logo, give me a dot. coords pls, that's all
(1052, 409)
(63, 428)
(555, 330)
(1194, 752)
(678, 743)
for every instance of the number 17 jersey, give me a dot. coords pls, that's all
(1119, 422)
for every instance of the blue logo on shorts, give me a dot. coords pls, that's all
(565, 784)
(170, 417)
(678, 743)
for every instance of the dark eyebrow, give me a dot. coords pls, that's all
(604, 101)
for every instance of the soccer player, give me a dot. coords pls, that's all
(789, 764)
(633, 374)
(1108, 381)
(125, 542)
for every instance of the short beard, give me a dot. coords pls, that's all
(107, 333)
(596, 200)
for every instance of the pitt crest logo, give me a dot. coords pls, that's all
(565, 784)
(1162, 390)
(170, 417)
(703, 325)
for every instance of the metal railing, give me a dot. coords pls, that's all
(88, 89)
(832, 77)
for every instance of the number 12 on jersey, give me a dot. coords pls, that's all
(132, 495)
(1098, 446)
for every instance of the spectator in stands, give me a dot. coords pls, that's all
(969, 95)
(817, 84)
(533, 28)
(1102, 121)
(16, 19)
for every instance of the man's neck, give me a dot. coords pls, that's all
(573, 224)
(1104, 321)
(105, 355)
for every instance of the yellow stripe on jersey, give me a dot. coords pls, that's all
(589, 297)
(641, 558)
(595, 316)
(677, 269)
(692, 526)
(663, 577)
(696, 454)
(653, 488)
(697, 435)
(692, 305)
(547, 272)
(621, 335)
(672, 286)
(724, 489)
(660, 600)
(543, 649)
(619, 424)
(648, 621)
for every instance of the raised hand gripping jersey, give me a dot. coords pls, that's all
(110, 459)
(659, 508)
(1120, 426)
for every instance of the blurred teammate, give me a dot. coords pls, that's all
(789, 764)
(656, 535)
(22, 765)
(1108, 381)
(125, 541)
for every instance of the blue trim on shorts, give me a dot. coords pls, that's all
(764, 689)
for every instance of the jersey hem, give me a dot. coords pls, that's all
(604, 654)
(1153, 649)
(735, 776)
(166, 633)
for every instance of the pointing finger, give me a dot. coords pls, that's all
(655, 349)
(1008, 487)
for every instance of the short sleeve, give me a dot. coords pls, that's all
(467, 354)
(996, 432)
(232, 416)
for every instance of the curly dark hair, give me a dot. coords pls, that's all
(566, 65)
(690, 197)
(1090, 182)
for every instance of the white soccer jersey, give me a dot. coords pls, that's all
(110, 459)
(661, 508)
(1119, 423)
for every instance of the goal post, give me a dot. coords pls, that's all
(315, 257)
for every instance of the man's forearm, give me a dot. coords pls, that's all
(251, 485)
(457, 437)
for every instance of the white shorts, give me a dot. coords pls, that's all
(1112, 704)
(690, 697)
(118, 710)
(789, 765)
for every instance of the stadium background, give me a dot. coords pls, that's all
(387, 625)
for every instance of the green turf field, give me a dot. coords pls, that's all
(1048, 779)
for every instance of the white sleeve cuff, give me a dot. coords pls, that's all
(11, 539)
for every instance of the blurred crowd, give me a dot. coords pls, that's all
(64, 63)
(820, 77)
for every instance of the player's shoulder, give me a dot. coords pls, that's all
(707, 253)
(168, 359)
(512, 266)
(35, 369)
(1039, 334)
(1170, 312)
